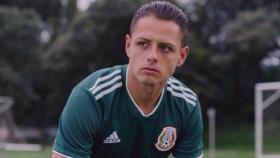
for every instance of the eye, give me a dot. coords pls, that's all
(165, 48)
(142, 44)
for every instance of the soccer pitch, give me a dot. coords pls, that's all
(232, 154)
(46, 153)
(229, 144)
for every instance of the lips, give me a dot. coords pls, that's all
(150, 70)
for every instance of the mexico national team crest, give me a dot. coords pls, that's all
(166, 139)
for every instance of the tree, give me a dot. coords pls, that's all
(219, 69)
(243, 43)
(94, 40)
(19, 50)
(55, 14)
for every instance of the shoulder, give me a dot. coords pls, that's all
(103, 81)
(179, 91)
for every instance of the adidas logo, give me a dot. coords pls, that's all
(113, 138)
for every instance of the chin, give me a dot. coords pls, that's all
(149, 81)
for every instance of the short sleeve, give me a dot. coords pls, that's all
(190, 145)
(78, 125)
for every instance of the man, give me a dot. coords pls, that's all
(137, 110)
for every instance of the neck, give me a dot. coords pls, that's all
(145, 96)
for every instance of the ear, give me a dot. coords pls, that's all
(184, 52)
(127, 44)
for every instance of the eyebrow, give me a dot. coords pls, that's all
(165, 43)
(144, 39)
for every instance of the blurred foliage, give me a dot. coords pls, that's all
(46, 9)
(228, 40)
(19, 53)
(243, 43)
(55, 14)
(95, 39)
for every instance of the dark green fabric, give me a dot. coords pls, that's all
(89, 123)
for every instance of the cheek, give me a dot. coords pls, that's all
(172, 62)
(170, 65)
(135, 59)
(172, 68)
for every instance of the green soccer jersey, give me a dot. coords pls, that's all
(101, 120)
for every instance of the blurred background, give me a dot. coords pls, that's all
(48, 46)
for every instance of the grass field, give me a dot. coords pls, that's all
(47, 154)
(231, 143)
(231, 153)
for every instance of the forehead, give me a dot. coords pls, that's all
(157, 29)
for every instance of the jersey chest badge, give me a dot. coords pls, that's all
(166, 139)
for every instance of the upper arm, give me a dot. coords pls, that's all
(78, 124)
(190, 143)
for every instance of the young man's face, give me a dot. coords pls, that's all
(154, 50)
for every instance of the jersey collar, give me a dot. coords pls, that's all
(135, 104)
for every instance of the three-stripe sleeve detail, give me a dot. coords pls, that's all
(106, 84)
(178, 90)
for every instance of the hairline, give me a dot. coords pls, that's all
(151, 14)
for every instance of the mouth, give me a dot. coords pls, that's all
(150, 70)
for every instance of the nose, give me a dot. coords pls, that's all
(152, 55)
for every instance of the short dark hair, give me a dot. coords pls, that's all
(165, 11)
